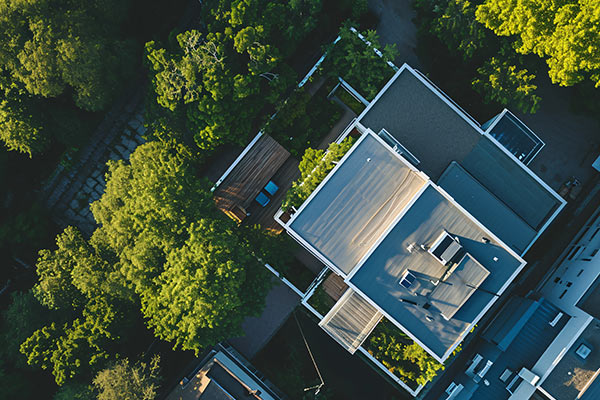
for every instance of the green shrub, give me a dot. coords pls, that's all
(314, 167)
(400, 355)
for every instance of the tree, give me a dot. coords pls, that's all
(193, 270)
(21, 127)
(213, 264)
(358, 64)
(53, 46)
(75, 391)
(453, 22)
(314, 167)
(79, 348)
(123, 381)
(23, 316)
(502, 82)
(566, 33)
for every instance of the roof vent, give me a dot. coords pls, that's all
(407, 279)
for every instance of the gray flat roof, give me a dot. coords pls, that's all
(349, 211)
(487, 208)
(508, 181)
(573, 374)
(419, 119)
(452, 293)
(378, 277)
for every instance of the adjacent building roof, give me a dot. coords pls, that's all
(574, 377)
(514, 342)
(223, 375)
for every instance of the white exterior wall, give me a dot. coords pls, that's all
(578, 268)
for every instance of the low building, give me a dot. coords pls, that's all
(224, 375)
(556, 355)
(426, 218)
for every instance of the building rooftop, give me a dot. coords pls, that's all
(511, 346)
(574, 377)
(464, 291)
(419, 118)
(372, 220)
(590, 301)
(438, 132)
(486, 207)
(223, 375)
(355, 205)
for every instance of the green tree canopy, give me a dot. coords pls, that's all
(208, 287)
(314, 167)
(51, 46)
(565, 33)
(358, 64)
(453, 22)
(191, 266)
(124, 381)
(504, 83)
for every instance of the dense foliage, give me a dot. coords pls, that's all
(124, 381)
(358, 64)
(302, 120)
(219, 82)
(52, 48)
(314, 167)
(503, 77)
(163, 249)
(503, 83)
(565, 33)
(403, 357)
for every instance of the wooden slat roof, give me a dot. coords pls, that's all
(251, 174)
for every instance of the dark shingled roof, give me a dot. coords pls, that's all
(423, 123)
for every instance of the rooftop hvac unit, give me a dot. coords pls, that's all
(446, 248)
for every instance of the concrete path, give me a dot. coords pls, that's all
(572, 140)
(280, 303)
(396, 26)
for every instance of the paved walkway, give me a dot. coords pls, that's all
(280, 303)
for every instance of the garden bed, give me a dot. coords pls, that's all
(401, 355)
(345, 97)
(314, 167)
(321, 301)
(303, 120)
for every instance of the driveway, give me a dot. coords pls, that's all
(396, 26)
(280, 303)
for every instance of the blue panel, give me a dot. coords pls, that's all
(271, 188)
(262, 199)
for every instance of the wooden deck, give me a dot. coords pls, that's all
(236, 194)
(334, 286)
(263, 216)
